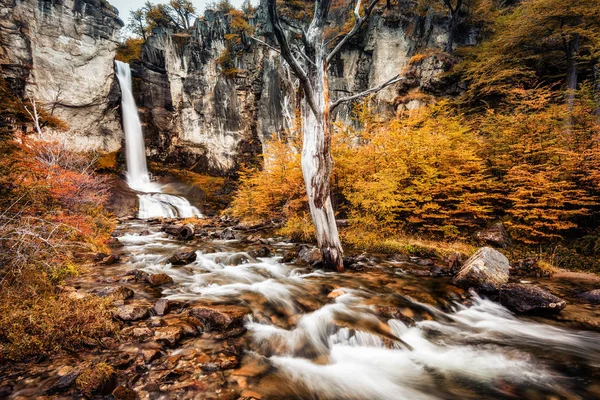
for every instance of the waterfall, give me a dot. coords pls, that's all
(152, 202)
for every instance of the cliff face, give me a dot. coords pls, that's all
(195, 114)
(199, 116)
(61, 53)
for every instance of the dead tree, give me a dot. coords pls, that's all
(308, 58)
(454, 11)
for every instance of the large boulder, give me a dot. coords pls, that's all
(487, 269)
(495, 235)
(593, 296)
(529, 299)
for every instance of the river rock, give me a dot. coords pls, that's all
(227, 234)
(593, 296)
(123, 393)
(495, 235)
(162, 306)
(110, 259)
(487, 269)
(142, 333)
(310, 255)
(150, 355)
(289, 256)
(182, 258)
(262, 251)
(221, 317)
(116, 292)
(169, 335)
(132, 313)
(236, 259)
(529, 299)
(114, 242)
(159, 279)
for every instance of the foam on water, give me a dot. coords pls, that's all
(342, 349)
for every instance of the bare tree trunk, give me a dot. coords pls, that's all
(454, 15)
(317, 164)
(572, 48)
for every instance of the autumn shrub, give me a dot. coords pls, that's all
(51, 208)
(418, 173)
(274, 192)
(543, 163)
(130, 50)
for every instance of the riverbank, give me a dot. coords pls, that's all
(240, 313)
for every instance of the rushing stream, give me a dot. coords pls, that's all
(377, 334)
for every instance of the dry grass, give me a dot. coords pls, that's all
(414, 246)
(37, 321)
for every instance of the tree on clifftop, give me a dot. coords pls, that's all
(307, 54)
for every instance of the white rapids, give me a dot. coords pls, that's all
(152, 202)
(342, 349)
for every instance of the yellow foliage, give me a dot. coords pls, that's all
(276, 191)
(421, 172)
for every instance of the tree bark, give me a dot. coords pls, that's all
(571, 78)
(317, 164)
(571, 49)
(454, 11)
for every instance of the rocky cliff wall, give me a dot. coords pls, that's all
(199, 116)
(61, 53)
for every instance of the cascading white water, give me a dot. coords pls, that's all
(137, 170)
(153, 203)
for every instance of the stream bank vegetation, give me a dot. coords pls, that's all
(51, 220)
(518, 146)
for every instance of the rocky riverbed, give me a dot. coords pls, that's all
(233, 313)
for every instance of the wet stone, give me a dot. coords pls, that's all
(227, 234)
(529, 299)
(161, 307)
(116, 292)
(182, 258)
(123, 393)
(110, 260)
(262, 251)
(132, 313)
(222, 317)
(169, 335)
(65, 381)
(159, 279)
(142, 332)
(150, 355)
(593, 296)
(310, 255)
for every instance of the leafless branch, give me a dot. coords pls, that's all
(358, 22)
(286, 53)
(375, 89)
(265, 44)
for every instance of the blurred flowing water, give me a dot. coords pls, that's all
(381, 334)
